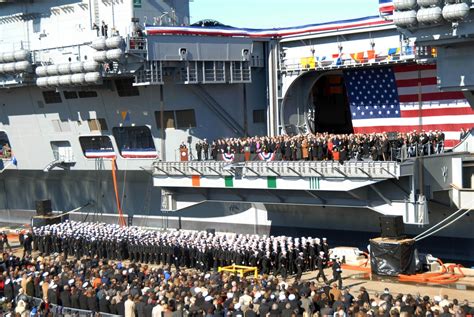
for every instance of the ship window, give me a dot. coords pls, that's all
(168, 119)
(61, 126)
(99, 146)
(5, 149)
(87, 94)
(70, 94)
(185, 119)
(51, 96)
(97, 125)
(135, 142)
(125, 87)
(37, 25)
(259, 116)
(62, 150)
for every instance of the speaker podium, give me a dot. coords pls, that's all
(183, 154)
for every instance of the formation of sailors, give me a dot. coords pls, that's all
(325, 146)
(278, 255)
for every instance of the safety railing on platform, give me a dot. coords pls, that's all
(324, 169)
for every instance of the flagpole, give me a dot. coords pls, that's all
(5, 167)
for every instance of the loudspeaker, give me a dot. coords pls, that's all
(43, 207)
(40, 221)
(209, 230)
(391, 227)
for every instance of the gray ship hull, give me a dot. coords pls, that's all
(342, 226)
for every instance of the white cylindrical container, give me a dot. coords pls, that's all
(42, 82)
(93, 78)
(64, 69)
(22, 55)
(8, 57)
(77, 67)
(404, 18)
(404, 4)
(65, 80)
(429, 15)
(429, 3)
(52, 70)
(114, 55)
(114, 42)
(100, 56)
(91, 66)
(53, 81)
(22, 66)
(99, 44)
(78, 79)
(455, 12)
(41, 71)
(9, 68)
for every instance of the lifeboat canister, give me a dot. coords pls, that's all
(41, 71)
(91, 66)
(404, 4)
(8, 57)
(428, 3)
(65, 80)
(64, 69)
(93, 78)
(78, 79)
(99, 44)
(21, 55)
(9, 68)
(52, 70)
(42, 82)
(429, 15)
(53, 81)
(77, 67)
(100, 56)
(115, 54)
(22, 66)
(404, 18)
(456, 12)
(114, 42)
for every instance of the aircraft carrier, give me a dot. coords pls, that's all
(96, 97)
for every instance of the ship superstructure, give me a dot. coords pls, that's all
(95, 88)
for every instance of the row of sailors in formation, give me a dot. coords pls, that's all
(201, 250)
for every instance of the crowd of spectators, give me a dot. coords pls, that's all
(325, 146)
(140, 290)
(134, 288)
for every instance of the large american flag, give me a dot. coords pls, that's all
(387, 99)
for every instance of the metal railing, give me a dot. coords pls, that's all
(328, 169)
(60, 311)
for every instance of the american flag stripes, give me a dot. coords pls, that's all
(404, 98)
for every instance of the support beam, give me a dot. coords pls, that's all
(339, 171)
(215, 171)
(316, 171)
(323, 201)
(385, 199)
(250, 169)
(196, 170)
(366, 173)
(294, 171)
(178, 170)
(272, 170)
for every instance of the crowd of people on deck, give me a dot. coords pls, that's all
(101, 281)
(325, 146)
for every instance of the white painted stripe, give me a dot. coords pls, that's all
(438, 104)
(427, 73)
(415, 90)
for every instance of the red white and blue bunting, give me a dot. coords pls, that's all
(268, 157)
(228, 157)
